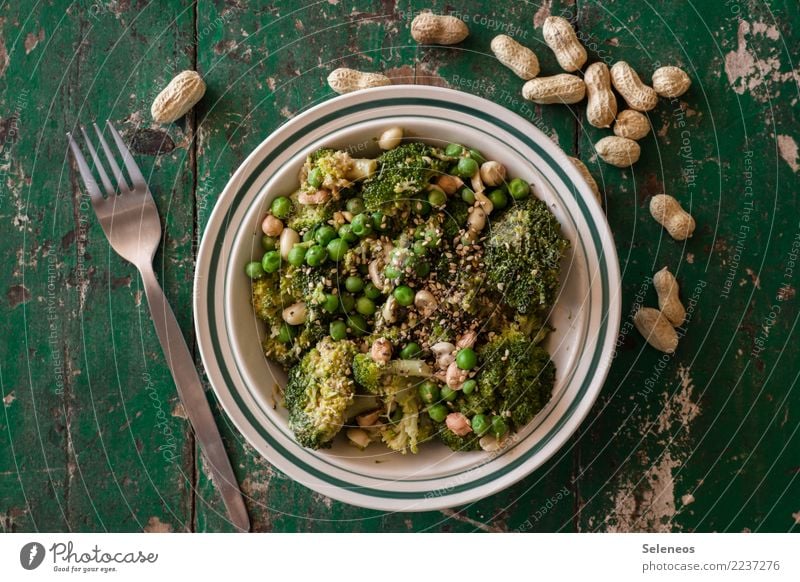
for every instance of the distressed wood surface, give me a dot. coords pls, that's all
(92, 436)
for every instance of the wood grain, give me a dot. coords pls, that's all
(93, 438)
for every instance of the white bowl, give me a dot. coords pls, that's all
(586, 317)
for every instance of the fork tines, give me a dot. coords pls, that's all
(122, 186)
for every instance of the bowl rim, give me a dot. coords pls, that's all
(604, 248)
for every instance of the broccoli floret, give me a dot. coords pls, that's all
(316, 155)
(271, 295)
(456, 218)
(518, 372)
(361, 254)
(380, 378)
(368, 373)
(480, 401)
(523, 255)
(319, 392)
(404, 171)
(289, 353)
(306, 216)
(267, 301)
(303, 284)
(333, 167)
(395, 381)
(403, 435)
(468, 442)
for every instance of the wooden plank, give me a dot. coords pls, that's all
(102, 430)
(698, 441)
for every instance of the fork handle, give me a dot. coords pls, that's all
(193, 397)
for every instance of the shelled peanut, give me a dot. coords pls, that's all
(563, 88)
(178, 97)
(637, 95)
(632, 124)
(344, 80)
(429, 28)
(670, 82)
(618, 151)
(561, 38)
(657, 326)
(518, 58)
(656, 329)
(601, 108)
(668, 213)
(669, 301)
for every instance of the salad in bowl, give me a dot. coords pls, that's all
(407, 296)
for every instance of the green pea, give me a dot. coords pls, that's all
(346, 302)
(498, 198)
(355, 206)
(410, 351)
(431, 238)
(477, 156)
(392, 272)
(281, 207)
(338, 329)
(453, 150)
(467, 167)
(372, 292)
(421, 207)
(469, 386)
(429, 392)
(316, 255)
(268, 243)
(519, 189)
(286, 333)
(337, 249)
(404, 295)
(254, 270)
(346, 233)
(365, 306)
(467, 195)
(354, 284)
(297, 256)
(315, 178)
(480, 424)
(422, 269)
(362, 224)
(357, 324)
(380, 221)
(438, 412)
(325, 234)
(308, 236)
(437, 198)
(271, 261)
(499, 426)
(448, 394)
(466, 359)
(331, 303)
(420, 248)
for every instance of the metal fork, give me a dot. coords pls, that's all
(129, 218)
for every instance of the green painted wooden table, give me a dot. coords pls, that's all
(92, 437)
